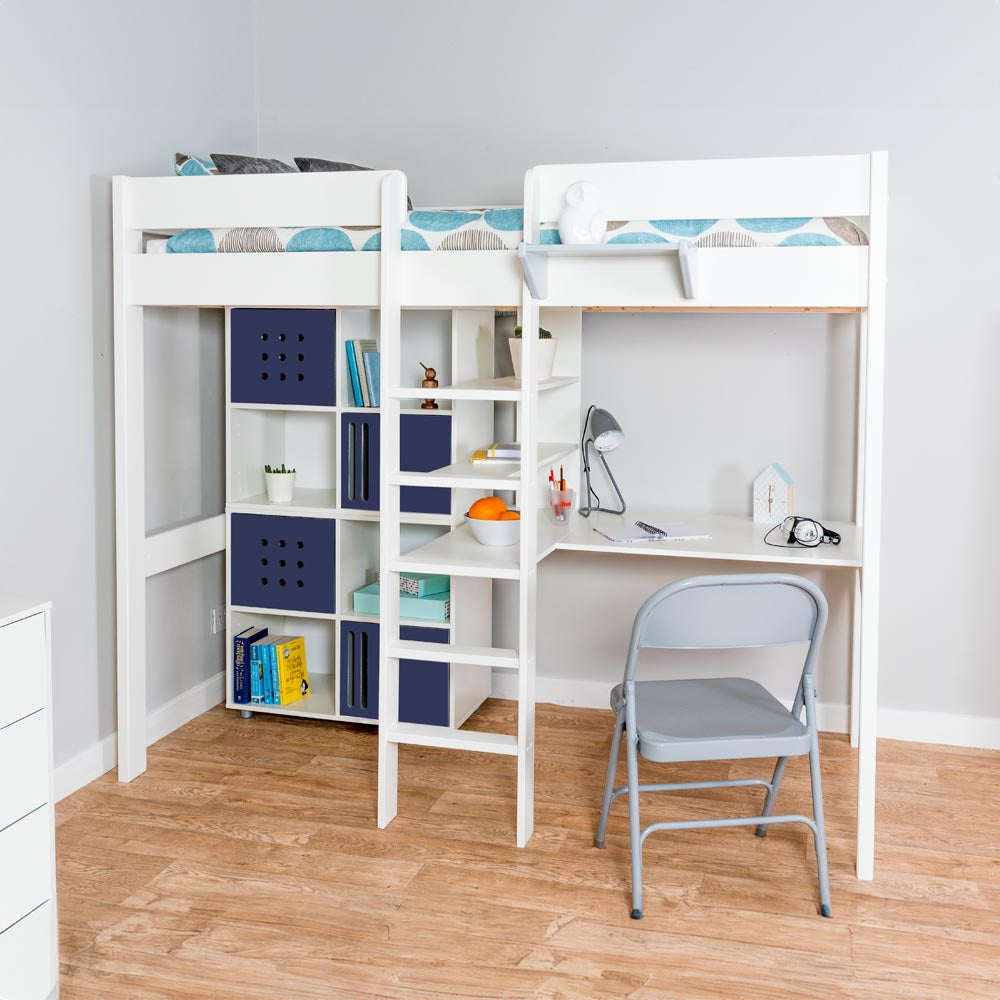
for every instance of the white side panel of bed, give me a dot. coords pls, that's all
(345, 198)
(772, 187)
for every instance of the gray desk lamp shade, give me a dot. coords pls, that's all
(605, 435)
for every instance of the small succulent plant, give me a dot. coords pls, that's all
(542, 334)
(273, 470)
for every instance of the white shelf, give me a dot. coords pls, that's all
(459, 554)
(283, 612)
(283, 407)
(305, 502)
(497, 389)
(484, 475)
(321, 703)
(350, 616)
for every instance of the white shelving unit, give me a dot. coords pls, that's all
(311, 440)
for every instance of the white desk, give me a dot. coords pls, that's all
(734, 539)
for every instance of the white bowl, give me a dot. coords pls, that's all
(494, 532)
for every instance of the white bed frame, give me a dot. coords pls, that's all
(834, 279)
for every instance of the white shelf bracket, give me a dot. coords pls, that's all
(687, 255)
(535, 265)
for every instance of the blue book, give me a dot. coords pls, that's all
(265, 663)
(355, 381)
(272, 672)
(256, 673)
(241, 662)
(373, 368)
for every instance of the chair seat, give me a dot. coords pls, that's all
(724, 718)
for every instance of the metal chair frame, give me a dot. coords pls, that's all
(701, 605)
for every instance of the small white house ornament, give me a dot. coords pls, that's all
(773, 495)
(582, 220)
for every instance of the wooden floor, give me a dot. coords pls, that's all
(246, 863)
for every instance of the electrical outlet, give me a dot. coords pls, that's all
(217, 620)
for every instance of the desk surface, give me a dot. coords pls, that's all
(733, 539)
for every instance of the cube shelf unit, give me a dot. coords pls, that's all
(293, 568)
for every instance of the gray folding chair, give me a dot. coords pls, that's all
(726, 718)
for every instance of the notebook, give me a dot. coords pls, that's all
(640, 531)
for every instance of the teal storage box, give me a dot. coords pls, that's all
(431, 608)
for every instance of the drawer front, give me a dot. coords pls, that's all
(424, 445)
(359, 461)
(359, 669)
(280, 562)
(24, 772)
(423, 686)
(286, 357)
(22, 668)
(25, 866)
(27, 956)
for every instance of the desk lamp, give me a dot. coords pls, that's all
(605, 435)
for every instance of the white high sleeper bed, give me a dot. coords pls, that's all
(473, 284)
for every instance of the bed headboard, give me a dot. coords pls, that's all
(347, 198)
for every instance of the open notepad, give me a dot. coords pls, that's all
(640, 531)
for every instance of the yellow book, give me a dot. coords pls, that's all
(293, 677)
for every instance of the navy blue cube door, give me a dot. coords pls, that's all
(359, 669)
(359, 461)
(424, 445)
(286, 357)
(282, 562)
(423, 687)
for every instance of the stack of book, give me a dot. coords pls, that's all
(422, 596)
(363, 364)
(269, 670)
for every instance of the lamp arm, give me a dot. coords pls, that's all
(614, 483)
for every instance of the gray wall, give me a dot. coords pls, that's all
(87, 91)
(465, 97)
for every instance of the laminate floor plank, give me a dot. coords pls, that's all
(245, 864)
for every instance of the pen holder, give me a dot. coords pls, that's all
(561, 502)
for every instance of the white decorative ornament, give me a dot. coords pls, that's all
(773, 495)
(581, 220)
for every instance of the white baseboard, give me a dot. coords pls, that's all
(102, 756)
(913, 726)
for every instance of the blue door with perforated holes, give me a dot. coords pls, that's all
(285, 357)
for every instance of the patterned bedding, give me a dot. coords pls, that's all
(502, 229)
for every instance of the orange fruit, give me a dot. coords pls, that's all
(487, 509)
(510, 515)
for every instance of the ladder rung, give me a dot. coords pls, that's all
(437, 652)
(412, 734)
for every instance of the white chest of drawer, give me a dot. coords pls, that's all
(28, 938)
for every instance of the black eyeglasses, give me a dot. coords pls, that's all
(802, 531)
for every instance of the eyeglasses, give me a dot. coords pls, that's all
(803, 531)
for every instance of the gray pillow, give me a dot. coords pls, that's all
(315, 165)
(233, 163)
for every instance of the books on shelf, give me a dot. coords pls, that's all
(277, 668)
(430, 607)
(241, 662)
(423, 584)
(498, 453)
(363, 364)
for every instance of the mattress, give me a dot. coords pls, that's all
(502, 229)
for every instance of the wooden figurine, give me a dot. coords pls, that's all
(430, 382)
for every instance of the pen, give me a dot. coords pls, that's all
(562, 480)
(552, 480)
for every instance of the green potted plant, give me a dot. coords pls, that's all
(280, 483)
(545, 356)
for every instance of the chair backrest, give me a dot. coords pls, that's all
(735, 611)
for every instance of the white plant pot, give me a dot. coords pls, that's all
(545, 356)
(280, 486)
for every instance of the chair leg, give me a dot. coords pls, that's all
(772, 795)
(609, 783)
(817, 797)
(634, 831)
